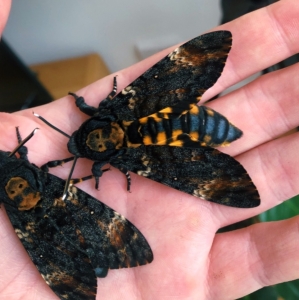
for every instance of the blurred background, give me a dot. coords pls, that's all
(41, 31)
(53, 47)
(68, 44)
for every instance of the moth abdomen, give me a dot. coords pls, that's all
(213, 128)
(200, 123)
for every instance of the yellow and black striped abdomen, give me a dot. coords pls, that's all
(199, 124)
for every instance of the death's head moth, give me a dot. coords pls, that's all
(71, 241)
(154, 127)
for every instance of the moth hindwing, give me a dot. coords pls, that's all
(71, 242)
(157, 116)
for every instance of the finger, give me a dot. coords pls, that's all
(274, 169)
(19, 277)
(4, 12)
(263, 109)
(245, 260)
(252, 50)
(244, 59)
(256, 47)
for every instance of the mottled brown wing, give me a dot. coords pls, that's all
(199, 171)
(178, 79)
(110, 240)
(67, 271)
(71, 242)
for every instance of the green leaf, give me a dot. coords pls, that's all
(288, 290)
(285, 210)
(266, 293)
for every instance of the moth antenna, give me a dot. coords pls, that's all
(67, 183)
(49, 124)
(22, 142)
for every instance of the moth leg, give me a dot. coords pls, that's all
(78, 180)
(114, 89)
(55, 163)
(106, 103)
(18, 135)
(23, 153)
(22, 150)
(97, 172)
(90, 110)
(80, 102)
(126, 172)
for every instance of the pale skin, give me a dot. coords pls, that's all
(190, 260)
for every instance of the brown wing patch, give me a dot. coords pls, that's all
(195, 54)
(61, 279)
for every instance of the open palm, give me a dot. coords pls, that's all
(191, 261)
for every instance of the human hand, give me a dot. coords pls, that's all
(191, 261)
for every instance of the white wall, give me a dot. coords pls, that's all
(48, 30)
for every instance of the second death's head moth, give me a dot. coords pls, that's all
(71, 241)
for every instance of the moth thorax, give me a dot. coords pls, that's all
(107, 138)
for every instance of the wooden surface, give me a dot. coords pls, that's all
(69, 75)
